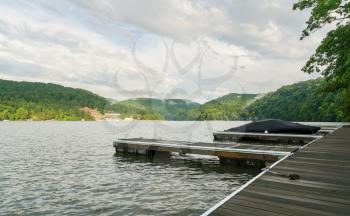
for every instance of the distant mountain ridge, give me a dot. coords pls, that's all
(151, 108)
(303, 101)
(227, 107)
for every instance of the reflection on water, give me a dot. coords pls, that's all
(69, 168)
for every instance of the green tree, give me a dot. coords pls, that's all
(21, 114)
(332, 57)
(303, 101)
(2, 116)
(40, 101)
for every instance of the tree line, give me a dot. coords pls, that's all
(41, 101)
(304, 101)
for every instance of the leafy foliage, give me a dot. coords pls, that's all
(228, 107)
(40, 101)
(332, 57)
(304, 101)
(324, 12)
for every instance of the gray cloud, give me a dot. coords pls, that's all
(174, 48)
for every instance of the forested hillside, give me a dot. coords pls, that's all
(304, 101)
(228, 107)
(153, 109)
(40, 101)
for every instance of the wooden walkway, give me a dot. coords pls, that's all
(321, 185)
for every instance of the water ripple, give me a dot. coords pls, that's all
(50, 168)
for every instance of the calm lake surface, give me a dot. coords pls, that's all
(69, 168)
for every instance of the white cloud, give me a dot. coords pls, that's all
(176, 48)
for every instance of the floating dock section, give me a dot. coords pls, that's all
(315, 180)
(228, 153)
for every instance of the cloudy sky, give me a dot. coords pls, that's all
(197, 50)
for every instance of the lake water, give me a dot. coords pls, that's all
(69, 168)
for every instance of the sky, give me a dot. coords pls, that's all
(196, 50)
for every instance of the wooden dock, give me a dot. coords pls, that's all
(231, 153)
(315, 180)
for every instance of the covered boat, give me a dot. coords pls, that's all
(275, 126)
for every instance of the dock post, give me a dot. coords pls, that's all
(150, 154)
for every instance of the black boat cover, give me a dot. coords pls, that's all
(275, 126)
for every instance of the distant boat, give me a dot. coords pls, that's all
(128, 119)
